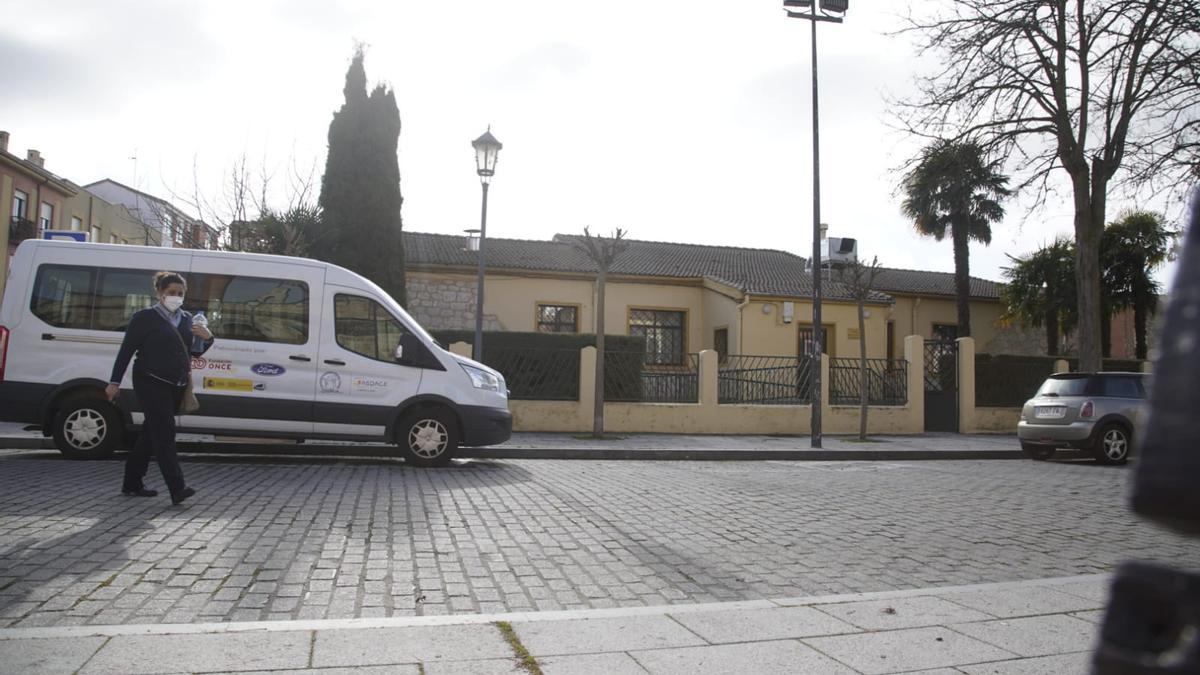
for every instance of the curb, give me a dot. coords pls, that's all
(553, 615)
(502, 452)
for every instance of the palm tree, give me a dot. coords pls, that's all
(955, 187)
(1040, 291)
(1130, 250)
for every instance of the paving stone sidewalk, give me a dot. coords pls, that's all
(336, 538)
(1046, 626)
(538, 445)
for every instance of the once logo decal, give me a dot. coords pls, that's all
(268, 369)
(201, 363)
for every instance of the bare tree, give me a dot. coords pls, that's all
(859, 279)
(243, 214)
(1086, 86)
(602, 251)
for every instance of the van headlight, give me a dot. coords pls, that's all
(482, 379)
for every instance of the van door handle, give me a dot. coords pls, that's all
(335, 362)
(297, 357)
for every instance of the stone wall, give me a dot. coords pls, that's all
(440, 304)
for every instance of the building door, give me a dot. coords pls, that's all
(941, 385)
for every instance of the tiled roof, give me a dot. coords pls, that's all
(751, 270)
(920, 282)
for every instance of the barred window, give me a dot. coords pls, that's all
(663, 331)
(806, 341)
(557, 319)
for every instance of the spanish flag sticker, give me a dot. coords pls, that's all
(228, 384)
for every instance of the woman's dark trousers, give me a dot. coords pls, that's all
(158, 401)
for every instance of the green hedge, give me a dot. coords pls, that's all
(1113, 365)
(1004, 380)
(545, 366)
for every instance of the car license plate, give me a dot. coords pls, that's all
(1050, 412)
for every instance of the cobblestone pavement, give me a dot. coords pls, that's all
(339, 539)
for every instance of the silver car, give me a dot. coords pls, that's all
(1099, 412)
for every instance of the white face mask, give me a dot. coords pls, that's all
(172, 302)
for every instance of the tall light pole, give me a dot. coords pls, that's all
(486, 150)
(829, 10)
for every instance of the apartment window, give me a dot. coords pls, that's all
(20, 205)
(76, 224)
(95, 234)
(945, 331)
(663, 331)
(46, 216)
(806, 341)
(721, 343)
(366, 327)
(557, 319)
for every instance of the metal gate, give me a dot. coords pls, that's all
(941, 385)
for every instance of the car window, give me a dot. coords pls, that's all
(1064, 386)
(1121, 387)
(365, 327)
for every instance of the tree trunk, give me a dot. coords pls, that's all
(1140, 310)
(1051, 322)
(863, 389)
(962, 280)
(1105, 328)
(1089, 224)
(598, 411)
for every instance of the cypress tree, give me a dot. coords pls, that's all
(360, 191)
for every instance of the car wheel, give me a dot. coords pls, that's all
(428, 437)
(1112, 444)
(87, 428)
(1037, 451)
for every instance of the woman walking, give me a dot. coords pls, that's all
(161, 337)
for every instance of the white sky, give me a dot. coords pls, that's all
(686, 122)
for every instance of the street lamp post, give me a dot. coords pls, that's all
(814, 11)
(486, 150)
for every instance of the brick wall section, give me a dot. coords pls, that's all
(446, 304)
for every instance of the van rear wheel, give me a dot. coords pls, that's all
(427, 437)
(87, 428)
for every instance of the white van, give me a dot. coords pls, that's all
(304, 349)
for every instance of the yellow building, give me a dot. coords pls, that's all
(683, 297)
(107, 223)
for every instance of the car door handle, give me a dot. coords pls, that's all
(335, 362)
(297, 357)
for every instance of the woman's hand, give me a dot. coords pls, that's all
(111, 391)
(201, 332)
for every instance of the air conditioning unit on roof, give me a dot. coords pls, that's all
(838, 251)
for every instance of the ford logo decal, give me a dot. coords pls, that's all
(268, 369)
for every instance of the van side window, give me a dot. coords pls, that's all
(122, 292)
(251, 308)
(365, 327)
(62, 296)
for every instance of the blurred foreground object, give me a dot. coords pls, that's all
(1152, 624)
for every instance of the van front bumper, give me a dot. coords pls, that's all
(485, 426)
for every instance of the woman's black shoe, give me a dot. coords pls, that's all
(140, 492)
(183, 494)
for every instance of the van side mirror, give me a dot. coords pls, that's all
(408, 346)
(412, 352)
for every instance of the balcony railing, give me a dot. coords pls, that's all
(20, 229)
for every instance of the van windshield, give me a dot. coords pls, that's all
(1064, 386)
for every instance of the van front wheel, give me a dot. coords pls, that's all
(87, 428)
(427, 437)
